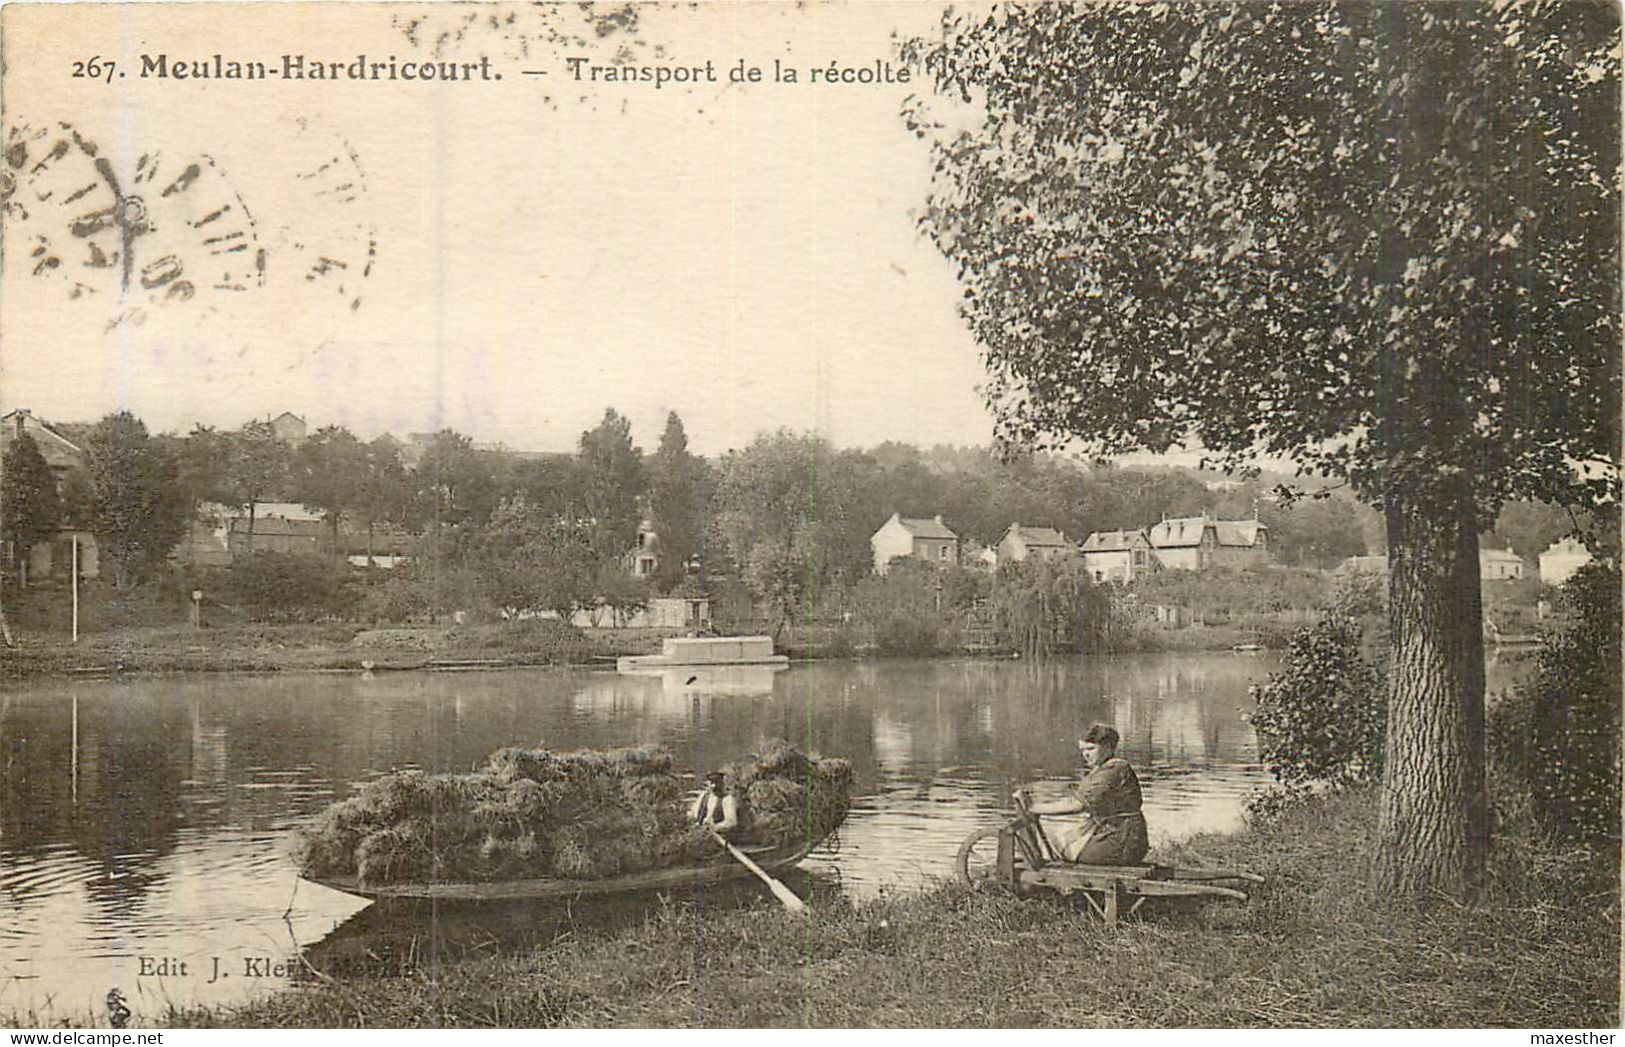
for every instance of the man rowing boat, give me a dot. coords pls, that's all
(1111, 829)
(717, 807)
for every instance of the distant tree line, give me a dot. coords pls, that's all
(789, 514)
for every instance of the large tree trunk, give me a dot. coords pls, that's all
(1433, 826)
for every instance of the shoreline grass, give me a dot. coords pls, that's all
(162, 650)
(1312, 949)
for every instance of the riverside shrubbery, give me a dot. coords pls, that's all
(1558, 735)
(1322, 718)
(284, 587)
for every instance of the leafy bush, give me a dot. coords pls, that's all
(836, 643)
(1323, 716)
(911, 607)
(545, 638)
(1266, 807)
(1558, 736)
(1357, 594)
(422, 592)
(900, 634)
(285, 587)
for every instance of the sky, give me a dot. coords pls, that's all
(541, 248)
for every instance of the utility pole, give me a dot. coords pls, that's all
(74, 573)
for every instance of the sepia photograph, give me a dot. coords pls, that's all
(811, 515)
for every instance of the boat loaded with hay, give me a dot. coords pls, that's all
(533, 823)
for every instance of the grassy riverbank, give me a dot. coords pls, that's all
(313, 648)
(1313, 948)
(316, 648)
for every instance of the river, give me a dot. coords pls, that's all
(145, 824)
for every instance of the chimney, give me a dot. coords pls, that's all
(938, 519)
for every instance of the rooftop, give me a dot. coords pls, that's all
(927, 528)
(1112, 541)
(1188, 530)
(1039, 536)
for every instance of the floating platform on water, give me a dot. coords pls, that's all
(704, 652)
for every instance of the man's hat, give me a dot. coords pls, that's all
(1102, 734)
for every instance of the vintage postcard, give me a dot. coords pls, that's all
(809, 514)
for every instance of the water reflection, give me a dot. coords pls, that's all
(151, 818)
(752, 681)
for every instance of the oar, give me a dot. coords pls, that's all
(780, 891)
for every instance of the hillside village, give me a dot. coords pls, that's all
(1196, 543)
(610, 536)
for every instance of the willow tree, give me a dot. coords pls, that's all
(1380, 239)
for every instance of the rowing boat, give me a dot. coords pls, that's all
(769, 857)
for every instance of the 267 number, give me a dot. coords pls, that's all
(94, 68)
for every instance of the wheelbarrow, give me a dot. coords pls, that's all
(1018, 857)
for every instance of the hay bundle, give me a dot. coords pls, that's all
(791, 796)
(532, 813)
(541, 765)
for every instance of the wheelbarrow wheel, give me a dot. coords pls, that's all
(978, 861)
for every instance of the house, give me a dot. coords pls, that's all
(1200, 543)
(1494, 565)
(928, 540)
(285, 510)
(289, 428)
(1118, 556)
(278, 534)
(62, 456)
(641, 560)
(1020, 542)
(1561, 559)
(1499, 565)
(219, 533)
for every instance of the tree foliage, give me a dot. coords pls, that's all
(916, 608)
(785, 507)
(531, 563)
(329, 474)
(203, 464)
(612, 474)
(453, 483)
(30, 509)
(1305, 229)
(139, 510)
(677, 502)
(257, 465)
(385, 495)
(1041, 606)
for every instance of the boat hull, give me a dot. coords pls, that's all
(672, 878)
